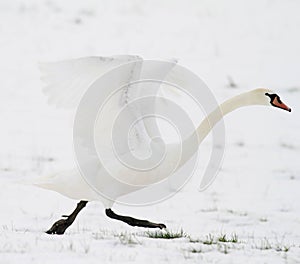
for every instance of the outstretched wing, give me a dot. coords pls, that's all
(67, 81)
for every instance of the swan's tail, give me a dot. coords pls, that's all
(68, 183)
(45, 182)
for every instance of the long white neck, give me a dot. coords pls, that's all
(189, 146)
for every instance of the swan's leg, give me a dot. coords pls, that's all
(133, 221)
(60, 226)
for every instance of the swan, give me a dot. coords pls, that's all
(66, 84)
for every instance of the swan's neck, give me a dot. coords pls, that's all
(189, 147)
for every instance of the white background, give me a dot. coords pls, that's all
(256, 194)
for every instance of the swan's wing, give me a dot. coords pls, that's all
(161, 72)
(67, 81)
(140, 101)
(120, 118)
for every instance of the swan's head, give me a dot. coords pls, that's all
(269, 98)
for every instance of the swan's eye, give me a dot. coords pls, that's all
(271, 96)
(274, 97)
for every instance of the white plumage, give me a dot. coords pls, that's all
(67, 83)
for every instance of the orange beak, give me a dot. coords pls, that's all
(277, 102)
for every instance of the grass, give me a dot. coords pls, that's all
(209, 240)
(263, 219)
(223, 248)
(234, 238)
(224, 239)
(195, 250)
(128, 239)
(222, 242)
(282, 248)
(102, 234)
(194, 240)
(264, 244)
(237, 212)
(166, 234)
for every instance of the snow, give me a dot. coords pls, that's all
(256, 194)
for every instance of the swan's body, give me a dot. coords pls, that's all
(66, 83)
(60, 89)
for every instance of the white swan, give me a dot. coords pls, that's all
(66, 84)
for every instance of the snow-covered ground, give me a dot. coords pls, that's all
(255, 198)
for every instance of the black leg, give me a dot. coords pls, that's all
(60, 226)
(133, 221)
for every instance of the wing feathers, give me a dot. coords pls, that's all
(67, 81)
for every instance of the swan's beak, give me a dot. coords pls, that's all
(278, 103)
